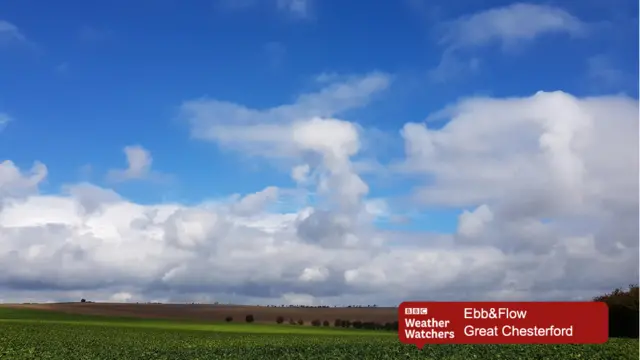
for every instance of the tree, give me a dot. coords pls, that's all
(326, 323)
(337, 323)
(623, 311)
(300, 322)
(228, 319)
(280, 319)
(83, 300)
(249, 318)
(316, 322)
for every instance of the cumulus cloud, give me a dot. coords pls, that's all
(548, 184)
(317, 146)
(549, 175)
(15, 182)
(508, 26)
(61, 249)
(139, 161)
(256, 202)
(278, 131)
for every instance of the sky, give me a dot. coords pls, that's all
(317, 151)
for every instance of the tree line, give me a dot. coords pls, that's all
(357, 324)
(623, 315)
(623, 312)
(623, 307)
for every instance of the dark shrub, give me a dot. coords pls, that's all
(228, 319)
(249, 318)
(280, 319)
(83, 300)
(292, 322)
(369, 325)
(346, 323)
(357, 324)
(300, 322)
(337, 323)
(623, 312)
(316, 322)
(326, 323)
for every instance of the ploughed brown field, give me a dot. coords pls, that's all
(214, 313)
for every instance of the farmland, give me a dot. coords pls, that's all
(29, 332)
(215, 313)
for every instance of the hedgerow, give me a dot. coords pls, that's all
(623, 312)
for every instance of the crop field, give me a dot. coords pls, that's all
(33, 334)
(217, 313)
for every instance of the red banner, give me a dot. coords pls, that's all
(422, 323)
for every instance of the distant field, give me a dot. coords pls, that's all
(217, 313)
(13, 315)
(38, 334)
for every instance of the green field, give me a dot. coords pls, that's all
(29, 334)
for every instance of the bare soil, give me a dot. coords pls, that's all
(214, 313)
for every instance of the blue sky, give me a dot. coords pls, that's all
(90, 79)
(80, 81)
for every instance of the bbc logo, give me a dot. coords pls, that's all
(416, 311)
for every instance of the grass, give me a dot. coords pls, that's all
(34, 334)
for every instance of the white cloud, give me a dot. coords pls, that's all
(544, 142)
(300, 173)
(159, 251)
(253, 203)
(206, 116)
(312, 274)
(121, 297)
(303, 134)
(10, 33)
(550, 182)
(139, 163)
(271, 131)
(541, 170)
(471, 224)
(14, 182)
(509, 26)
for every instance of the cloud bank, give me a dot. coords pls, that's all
(547, 185)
